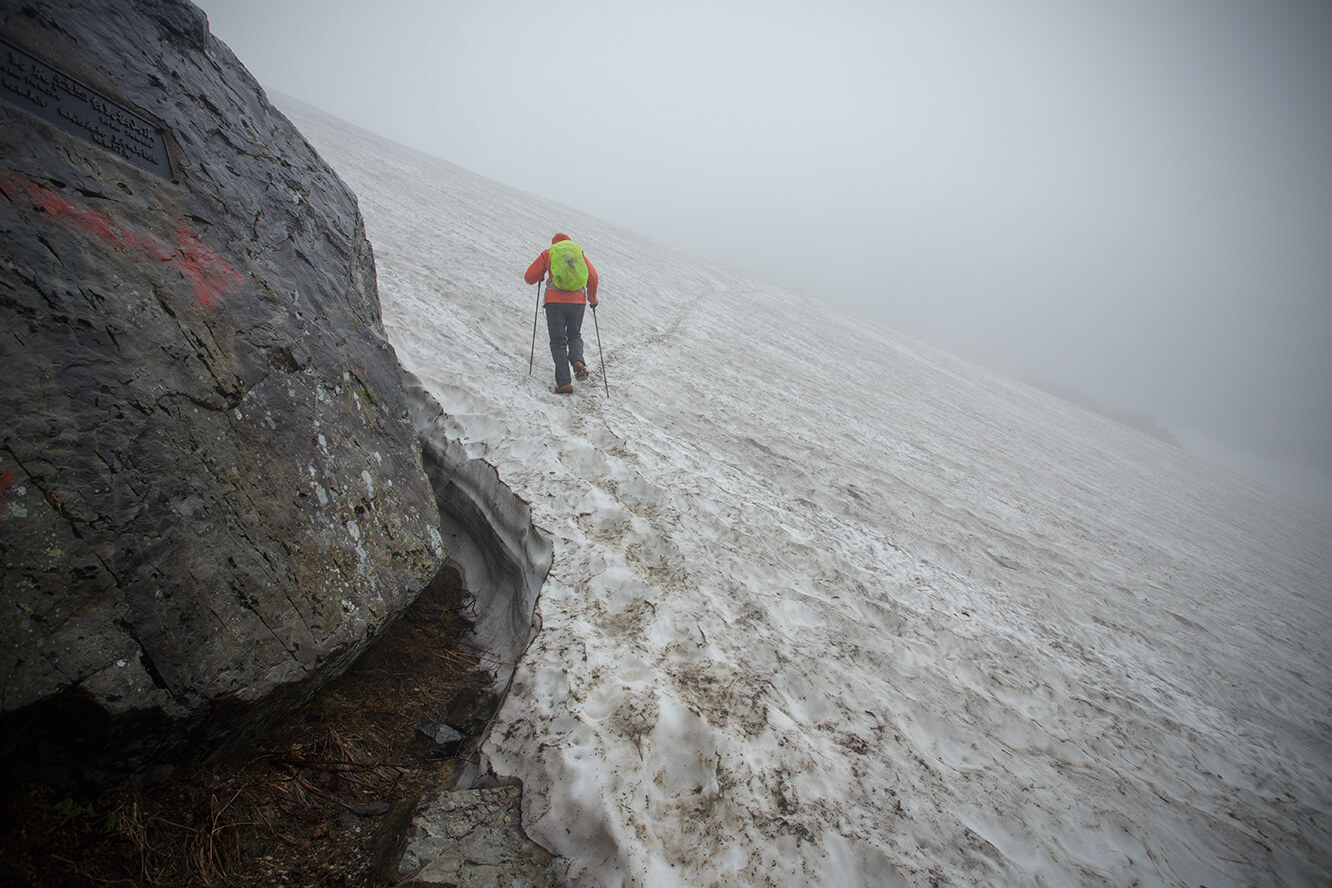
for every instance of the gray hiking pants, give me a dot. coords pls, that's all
(565, 322)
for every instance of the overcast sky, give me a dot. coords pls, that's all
(1132, 197)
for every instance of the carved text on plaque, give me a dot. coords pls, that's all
(59, 99)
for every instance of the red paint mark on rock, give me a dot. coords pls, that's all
(212, 275)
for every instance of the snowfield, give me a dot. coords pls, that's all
(831, 607)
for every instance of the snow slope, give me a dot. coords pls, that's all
(829, 607)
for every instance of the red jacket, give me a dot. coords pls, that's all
(540, 270)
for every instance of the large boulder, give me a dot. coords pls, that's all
(211, 495)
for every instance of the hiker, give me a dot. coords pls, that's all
(571, 284)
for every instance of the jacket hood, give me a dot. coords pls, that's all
(559, 237)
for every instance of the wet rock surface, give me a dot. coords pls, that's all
(211, 495)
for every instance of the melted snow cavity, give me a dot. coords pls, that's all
(492, 543)
(828, 607)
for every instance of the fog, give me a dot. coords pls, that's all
(1132, 199)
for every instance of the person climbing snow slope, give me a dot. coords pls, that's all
(571, 285)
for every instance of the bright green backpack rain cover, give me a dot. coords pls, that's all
(568, 268)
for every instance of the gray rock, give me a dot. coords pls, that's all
(473, 838)
(439, 734)
(211, 497)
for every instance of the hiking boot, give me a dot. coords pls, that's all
(566, 389)
(580, 370)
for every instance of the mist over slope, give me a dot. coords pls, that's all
(831, 607)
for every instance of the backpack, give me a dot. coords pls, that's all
(568, 268)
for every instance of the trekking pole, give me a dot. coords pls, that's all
(601, 354)
(532, 358)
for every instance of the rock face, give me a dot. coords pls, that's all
(211, 496)
(473, 838)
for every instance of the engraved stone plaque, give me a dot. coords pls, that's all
(59, 99)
